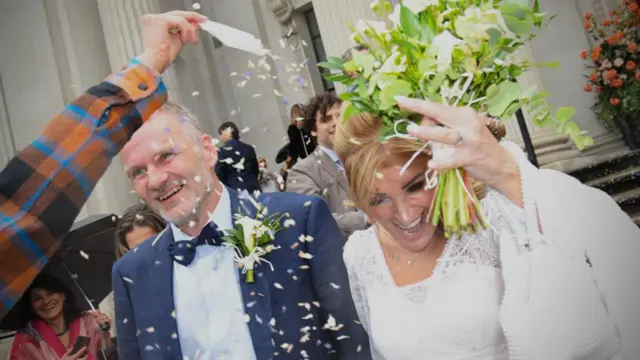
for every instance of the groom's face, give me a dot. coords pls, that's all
(170, 167)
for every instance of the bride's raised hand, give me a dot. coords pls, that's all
(473, 146)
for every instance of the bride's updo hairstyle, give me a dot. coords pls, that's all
(359, 145)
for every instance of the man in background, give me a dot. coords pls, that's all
(237, 166)
(322, 173)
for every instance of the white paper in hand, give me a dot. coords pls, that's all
(234, 38)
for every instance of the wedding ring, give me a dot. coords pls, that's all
(459, 140)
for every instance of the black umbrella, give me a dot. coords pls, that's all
(83, 263)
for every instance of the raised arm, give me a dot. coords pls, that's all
(44, 187)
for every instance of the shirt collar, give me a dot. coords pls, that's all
(221, 216)
(330, 153)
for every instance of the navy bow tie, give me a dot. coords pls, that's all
(184, 251)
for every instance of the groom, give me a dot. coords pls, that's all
(193, 301)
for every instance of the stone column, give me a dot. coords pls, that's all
(81, 60)
(121, 26)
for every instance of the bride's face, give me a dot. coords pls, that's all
(400, 204)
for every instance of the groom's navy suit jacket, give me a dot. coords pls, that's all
(143, 289)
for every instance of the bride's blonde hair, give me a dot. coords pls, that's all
(363, 153)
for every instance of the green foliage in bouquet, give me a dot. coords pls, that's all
(457, 52)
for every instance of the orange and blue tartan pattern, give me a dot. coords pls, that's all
(44, 187)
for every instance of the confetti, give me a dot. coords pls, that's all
(289, 223)
(307, 204)
(174, 336)
(256, 96)
(247, 318)
(241, 84)
(125, 321)
(379, 175)
(343, 337)
(195, 93)
(305, 255)
(354, 141)
(332, 325)
(308, 317)
(197, 178)
(195, 6)
(278, 286)
(151, 330)
(272, 323)
(334, 286)
(245, 130)
(127, 279)
(84, 255)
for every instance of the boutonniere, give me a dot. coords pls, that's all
(251, 238)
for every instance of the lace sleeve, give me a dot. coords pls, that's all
(506, 218)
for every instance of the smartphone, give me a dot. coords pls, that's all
(81, 341)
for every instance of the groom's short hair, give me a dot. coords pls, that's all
(184, 115)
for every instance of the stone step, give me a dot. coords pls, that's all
(618, 182)
(629, 200)
(607, 167)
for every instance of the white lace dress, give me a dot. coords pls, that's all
(451, 315)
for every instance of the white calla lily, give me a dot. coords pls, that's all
(443, 45)
(417, 6)
(249, 227)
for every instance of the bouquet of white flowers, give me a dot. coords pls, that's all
(456, 52)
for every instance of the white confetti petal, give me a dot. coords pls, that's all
(127, 280)
(195, 93)
(247, 318)
(195, 6)
(278, 286)
(305, 255)
(334, 286)
(307, 204)
(245, 130)
(151, 330)
(84, 255)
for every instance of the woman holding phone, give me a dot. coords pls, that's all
(56, 328)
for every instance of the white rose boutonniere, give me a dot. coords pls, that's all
(251, 239)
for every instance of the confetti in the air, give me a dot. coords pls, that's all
(127, 280)
(195, 6)
(307, 204)
(335, 286)
(195, 93)
(305, 255)
(278, 286)
(245, 130)
(151, 330)
(84, 255)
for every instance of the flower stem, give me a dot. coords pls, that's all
(249, 276)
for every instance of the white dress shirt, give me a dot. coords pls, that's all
(208, 299)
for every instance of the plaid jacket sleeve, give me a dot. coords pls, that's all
(44, 187)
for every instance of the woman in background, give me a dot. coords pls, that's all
(54, 323)
(300, 143)
(269, 181)
(137, 224)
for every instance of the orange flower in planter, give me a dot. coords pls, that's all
(610, 74)
(631, 65)
(612, 13)
(593, 77)
(632, 47)
(588, 16)
(587, 88)
(637, 75)
(595, 55)
(583, 54)
(617, 83)
(633, 7)
(606, 22)
(612, 39)
(614, 101)
(587, 25)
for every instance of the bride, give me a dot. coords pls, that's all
(552, 278)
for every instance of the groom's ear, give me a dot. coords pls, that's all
(209, 150)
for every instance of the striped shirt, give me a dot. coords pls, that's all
(44, 187)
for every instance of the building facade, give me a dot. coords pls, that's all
(53, 49)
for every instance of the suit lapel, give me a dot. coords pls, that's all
(331, 167)
(161, 271)
(256, 296)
